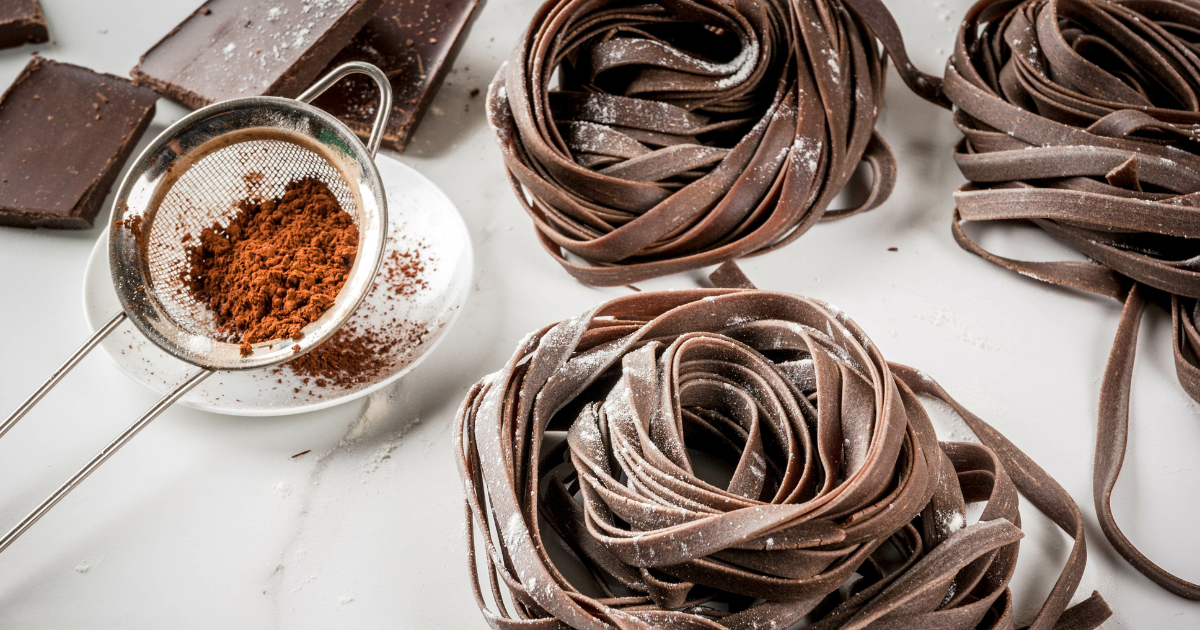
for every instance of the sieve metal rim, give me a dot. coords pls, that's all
(155, 170)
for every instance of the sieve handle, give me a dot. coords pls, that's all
(385, 95)
(102, 457)
(61, 372)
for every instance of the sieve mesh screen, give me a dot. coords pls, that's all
(208, 193)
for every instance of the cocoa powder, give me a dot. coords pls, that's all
(277, 266)
(404, 271)
(356, 355)
(347, 358)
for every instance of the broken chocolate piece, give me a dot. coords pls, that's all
(230, 49)
(22, 22)
(415, 44)
(66, 131)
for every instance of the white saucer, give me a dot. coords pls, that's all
(420, 216)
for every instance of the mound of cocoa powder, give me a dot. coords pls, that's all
(277, 266)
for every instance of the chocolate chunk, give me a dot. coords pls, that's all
(22, 22)
(230, 48)
(414, 42)
(65, 131)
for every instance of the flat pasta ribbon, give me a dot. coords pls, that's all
(739, 459)
(684, 133)
(1081, 117)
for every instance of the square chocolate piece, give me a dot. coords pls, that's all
(233, 48)
(414, 42)
(22, 22)
(65, 132)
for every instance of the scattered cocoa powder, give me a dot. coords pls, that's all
(404, 271)
(355, 354)
(277, 266)
(346, 358)
(134, 225)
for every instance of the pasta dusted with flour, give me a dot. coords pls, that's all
(682, 134)
(841, 506)
(1082, 118)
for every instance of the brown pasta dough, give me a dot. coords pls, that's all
(838, 502)
(1081, 117)
(684, 133)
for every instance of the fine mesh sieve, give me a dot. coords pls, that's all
(194, 175)
(207, 193)
(192, 178)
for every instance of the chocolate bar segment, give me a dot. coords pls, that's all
(414, 42)
(232, 48)
(65, 132)
(22, 22)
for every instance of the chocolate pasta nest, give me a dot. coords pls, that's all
(837, 505)
(650, 138)
(1081, 117)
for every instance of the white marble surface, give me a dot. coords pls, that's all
(206, 521)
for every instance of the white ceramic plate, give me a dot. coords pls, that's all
(421, 219)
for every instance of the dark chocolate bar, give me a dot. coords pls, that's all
(65, 132)
(22, 22)
(232, 48)
(414, 42)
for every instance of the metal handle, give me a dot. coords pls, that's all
(100, 458)
(61, 372)
(112, 447)
(385, 95)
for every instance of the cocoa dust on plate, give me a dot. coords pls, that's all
(278, 266)
(361, 352)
